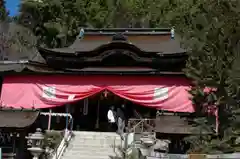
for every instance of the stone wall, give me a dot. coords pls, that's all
(185, 156)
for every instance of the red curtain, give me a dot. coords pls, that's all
(165, 93)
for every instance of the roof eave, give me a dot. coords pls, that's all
(127, 31)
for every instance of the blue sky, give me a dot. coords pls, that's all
(12, 6)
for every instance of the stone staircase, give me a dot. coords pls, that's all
(93, 145)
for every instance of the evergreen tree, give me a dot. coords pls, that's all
(3, 11)
(57, 23)
(210, 31)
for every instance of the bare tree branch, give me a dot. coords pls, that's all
(16, 42)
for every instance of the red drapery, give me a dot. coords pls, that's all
(165, 93)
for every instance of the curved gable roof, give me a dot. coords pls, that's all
(164, 47)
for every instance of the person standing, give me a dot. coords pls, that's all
(111, 117)
(121, 120)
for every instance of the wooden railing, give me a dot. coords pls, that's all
(141, 125)
(67, 116)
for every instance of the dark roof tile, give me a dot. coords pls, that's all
(164, 47)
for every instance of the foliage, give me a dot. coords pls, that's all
(122, 154)
(52, 139)
(210, 32)
(57, 22)
(3, 11)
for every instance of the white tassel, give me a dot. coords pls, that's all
(172, 33)
(85, 106)
(81, 34)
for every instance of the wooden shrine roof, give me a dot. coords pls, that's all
(83, 71)
(17, 118)
(173, 125)
(127, 31)
(149, 46)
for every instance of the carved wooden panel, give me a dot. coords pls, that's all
(129, 37)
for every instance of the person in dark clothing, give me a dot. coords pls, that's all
(121, 121)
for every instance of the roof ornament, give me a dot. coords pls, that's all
(172, 33)
(81, 34)
(119, 37)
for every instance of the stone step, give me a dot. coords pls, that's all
(93, 149)
(96, 143)
(96, 147)
(93, 145)
(103, 143)
(87, 157)
(89, 133)
(70, 156)
(91, 152)
(97, 138)
(102, 147)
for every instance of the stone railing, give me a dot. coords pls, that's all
(141, 125)
(63, 145)
(147, 148)
(193, 156)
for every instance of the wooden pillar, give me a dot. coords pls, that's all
(21, 145)
(49, 119)
(67, 120)
(98, 109)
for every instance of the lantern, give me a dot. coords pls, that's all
(35, 140)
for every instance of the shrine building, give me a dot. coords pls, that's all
(138, 68)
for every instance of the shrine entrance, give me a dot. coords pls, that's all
(90, 114)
